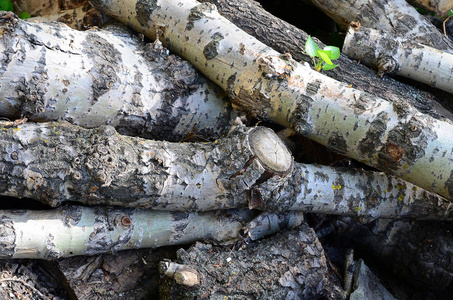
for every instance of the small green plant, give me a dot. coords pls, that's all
(322, 58)
(7, 5)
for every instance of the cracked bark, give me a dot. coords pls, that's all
(57, 162)
(96, 77)
(286, 38)
(392, 137)
(396, 17)
(399, 56)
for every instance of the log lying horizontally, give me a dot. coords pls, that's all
(399, 56)
(392, 137)
(98, 77)
(396, 17)
(57, 162)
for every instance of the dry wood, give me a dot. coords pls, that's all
(392, 137)
(286, 38)
(396, 17)
(57, 162)
(50, 71)
(394, 55)
(440, 7)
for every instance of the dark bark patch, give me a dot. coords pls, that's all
(7, 237)
(144, 10)
(73, 215)
(313, 87)
(106, 63)
(449, 185)
(210, 50)
(337, 143)
(300, 118)
(372, 140)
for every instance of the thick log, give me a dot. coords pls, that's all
(286, 38)
(392, 137)
(440, 7)
(290, 265)
(396, 17)
(57, 162)
(97, 77)
(399, 56)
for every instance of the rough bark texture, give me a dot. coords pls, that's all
(96, 77)
(440, 7)
(286, 38)
(396, 17)
(392, 137)
(290, 265)
(394, 55)
(57, 162)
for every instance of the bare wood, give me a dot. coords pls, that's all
(183, 275)
(440, 7)
(52, 72)
(394, 55)
(393, 137)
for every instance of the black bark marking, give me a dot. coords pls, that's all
(73, 215)
(199, 12)
(337, 143)
(449, 184)
(106, 63)
(313, 87)
(144, 10)
(372, 140)
(300, 118)
(7, 237)
(210, 50)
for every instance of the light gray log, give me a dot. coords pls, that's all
(396, 17)
(52, 72)
(392, 137)
(57, 162)
(399, 56)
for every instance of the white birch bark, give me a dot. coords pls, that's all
(399, 56)
(392, 137)
(396, 17)
(57, 162)
(96, 77)
(70, 231)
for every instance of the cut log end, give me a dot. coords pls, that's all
(270, 150)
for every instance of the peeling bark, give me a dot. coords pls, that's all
(392, 137)
(396, 17)
(97, 77)
(394, 55)
(57, 162)
(286, 38)
(291, 265)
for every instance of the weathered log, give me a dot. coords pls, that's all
(286, 38)
(396, 17)
(96, 77)
(392, 137)
(440, 7)
(290, 265)
(399, 56)
(57, 162)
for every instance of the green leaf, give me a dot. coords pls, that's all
(24, 15)
(450, 12)
(6, 5)
(324, 55)
(311, 47)
(335, 52)
(329, 67)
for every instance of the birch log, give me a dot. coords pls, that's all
(96, 77)
(399, 56)
(392, 137)
(57, 162)
(396, 17)
(71, 230)
(286, 38)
